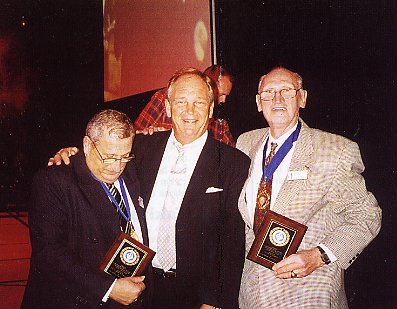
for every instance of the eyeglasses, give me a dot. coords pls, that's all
(112, 160)
(268, 95)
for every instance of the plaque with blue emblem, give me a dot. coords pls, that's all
(278, 238)
(127, 257)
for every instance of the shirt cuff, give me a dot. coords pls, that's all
(331, 256)
(106, 297)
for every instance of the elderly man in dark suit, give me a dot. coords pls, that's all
(190, 185)
(73, 222)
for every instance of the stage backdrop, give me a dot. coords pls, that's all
(145, 42)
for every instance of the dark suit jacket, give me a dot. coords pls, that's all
(209, 228)
(72, 225)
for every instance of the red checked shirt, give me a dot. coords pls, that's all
(154, 115)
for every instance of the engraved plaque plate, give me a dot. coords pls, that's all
(127, 257)
(278, 238)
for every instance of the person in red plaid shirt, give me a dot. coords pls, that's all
(154, 118)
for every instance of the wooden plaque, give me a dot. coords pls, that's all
(127, 257)
(278, 238)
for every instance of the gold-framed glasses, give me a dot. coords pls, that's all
(111, 160)
(287, 93)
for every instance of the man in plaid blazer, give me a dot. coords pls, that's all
(319, 184)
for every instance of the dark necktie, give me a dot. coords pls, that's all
(264, 194)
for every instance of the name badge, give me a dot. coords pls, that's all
(297, 175)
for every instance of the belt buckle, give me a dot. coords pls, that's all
(169, 274)
(165, 274)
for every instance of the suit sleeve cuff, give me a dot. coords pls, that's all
(106, 297)
(331, 256)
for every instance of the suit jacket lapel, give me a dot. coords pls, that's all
(155, 150)
(99, 202)
(131, 181)
(242, 200)
(301, 160)
(207, 163)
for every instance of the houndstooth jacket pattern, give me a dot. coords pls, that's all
(335, 205)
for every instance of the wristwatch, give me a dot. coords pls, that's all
(324, 255)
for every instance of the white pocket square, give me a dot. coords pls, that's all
(213, 189)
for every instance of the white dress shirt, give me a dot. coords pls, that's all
(278, 177)
(154, 209)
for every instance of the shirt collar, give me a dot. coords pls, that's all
(195, 144)
(283, 137)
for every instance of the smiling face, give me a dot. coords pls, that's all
(281, 114)
(190, 107)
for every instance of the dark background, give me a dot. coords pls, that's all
(344, 50)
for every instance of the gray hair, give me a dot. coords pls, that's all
(298, 78)
(189, 71)
(116, 123)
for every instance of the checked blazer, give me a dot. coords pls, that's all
(335, 205)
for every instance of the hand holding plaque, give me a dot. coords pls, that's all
(127, 257)
(278, 238)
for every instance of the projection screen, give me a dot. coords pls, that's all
(146, 41)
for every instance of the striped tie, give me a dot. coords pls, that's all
(125, 226)
(117, 196)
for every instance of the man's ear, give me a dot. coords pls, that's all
(258, 102)
(303, 97)
(86, 144)
(167, 108)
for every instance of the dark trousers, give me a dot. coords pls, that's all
(167, 293)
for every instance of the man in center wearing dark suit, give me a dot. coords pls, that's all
(190, 184)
